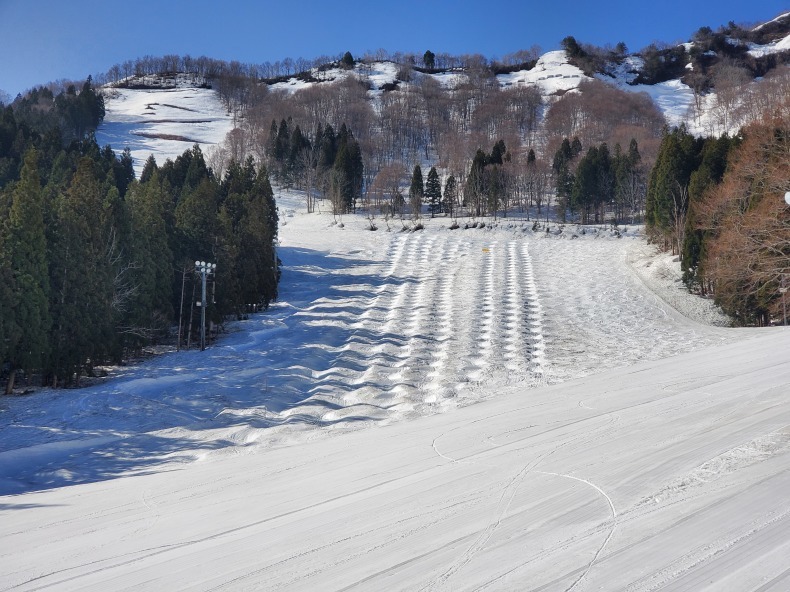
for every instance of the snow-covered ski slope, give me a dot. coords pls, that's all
(481, 409)
(164, 122)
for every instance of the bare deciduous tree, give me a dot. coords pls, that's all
(748, 256)
(729, 81)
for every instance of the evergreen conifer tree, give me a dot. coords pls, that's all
(148, 169)
(196, 170)
(297, 144)
(416, 192)
(271, 144)
(713, 165)
(258, 231)
(605, 184)
(122, 169)
(195, 217)
(25, 246)
(429, 60)
(342, 190)
(563, 177)
(572, 47)
(667, 203)
(576, 147)
(476, 187)
(450, 197)
(283, 139)
(357, 170)
(327, 153)
(498, 153)
(433, 191)
(151, 310)
(7, 324)
(83, 275)
(585, 184)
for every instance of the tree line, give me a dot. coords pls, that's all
(324, 163)
(421, 122)
(718, 203)
(600, 185)
(95, 264)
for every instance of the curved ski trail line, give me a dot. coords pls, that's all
(611, 532)
(440, 454)
(506, 500)
(503, 505)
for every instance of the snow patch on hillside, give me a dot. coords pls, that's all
(552, 74)
(777, 46)
(774, 20)
(662, 274)
(673, 98)
(377, 74)
(163, 121)
(623, 73)
(450, 80)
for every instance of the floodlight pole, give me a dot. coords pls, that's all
(204, 269)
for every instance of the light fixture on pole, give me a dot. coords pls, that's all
(204, 269)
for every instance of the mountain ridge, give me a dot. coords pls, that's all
(713, 77)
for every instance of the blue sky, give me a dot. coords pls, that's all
(54, 39)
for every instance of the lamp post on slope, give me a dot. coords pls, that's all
(204, 269)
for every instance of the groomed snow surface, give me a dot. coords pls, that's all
(471, 409)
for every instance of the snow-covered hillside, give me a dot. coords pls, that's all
(552, 75)
(447, 409)
(167, 121)
(162, 121)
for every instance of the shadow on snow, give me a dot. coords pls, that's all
(290, 365)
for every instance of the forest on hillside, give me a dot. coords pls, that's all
(95, 264)
(719, 204)
(420, 121)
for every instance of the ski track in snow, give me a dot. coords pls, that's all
(611, 532)
(508, 493)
